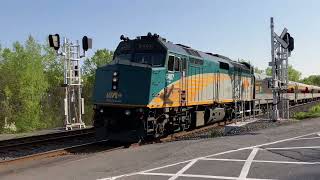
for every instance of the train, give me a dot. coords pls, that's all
(296, 93)
(154, 88)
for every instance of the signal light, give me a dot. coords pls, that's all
(291, 44)
(54, 41)
(289, 40)
(86, 43)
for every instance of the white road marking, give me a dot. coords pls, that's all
(306, 138)
(283, 140)
(153, 169)
(288, 162)
(246, 167)
(184, 169)
(289, 148)
(212, 155)
(263, 161)
(219, 159)
(199, 176)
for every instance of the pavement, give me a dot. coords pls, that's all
(285, 152)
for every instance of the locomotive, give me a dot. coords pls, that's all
(154, 87)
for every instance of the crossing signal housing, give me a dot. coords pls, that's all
(86, 43)
(289, 40)
(54, 41)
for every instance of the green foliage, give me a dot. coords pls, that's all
(24, 84)
(294, 75)
(312, 113)
(259, 71)
(312, 80)
(31, 96)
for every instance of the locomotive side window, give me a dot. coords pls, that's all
(224, 65)
(184, 64)
(177, 63)
(171, 63)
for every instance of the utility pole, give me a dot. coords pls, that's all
(281, 47)
(73, 101)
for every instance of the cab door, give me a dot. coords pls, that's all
(183, 82)
(172, 89)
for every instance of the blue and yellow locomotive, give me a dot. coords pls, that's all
(154, 87)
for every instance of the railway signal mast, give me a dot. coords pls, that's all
(281, 47)
(73, 101)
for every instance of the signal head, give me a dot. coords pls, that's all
(86, 43)
(54, 41)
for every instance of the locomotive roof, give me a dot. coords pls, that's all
(188, 51)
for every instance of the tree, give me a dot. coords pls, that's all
(53, 101)
(101, 57)
(294, 75)
(23, 84)
(259, 71)
(312, 80)
(31, 75)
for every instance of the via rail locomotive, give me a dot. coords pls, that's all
(154, 87)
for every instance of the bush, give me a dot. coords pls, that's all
(312, 113)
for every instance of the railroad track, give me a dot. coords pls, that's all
(81, 141)
(97, 146)
(44, 137)
(27, 146)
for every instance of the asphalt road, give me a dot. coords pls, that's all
(285, 152)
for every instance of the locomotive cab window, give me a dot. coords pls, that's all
(184, 64)
(177, 63)
(174, 63)
(224, 66)
(171, 63)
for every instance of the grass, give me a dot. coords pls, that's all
(312, 113)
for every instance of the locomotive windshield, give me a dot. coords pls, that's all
(142, 52)
(153, 59)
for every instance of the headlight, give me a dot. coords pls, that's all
(114, 79)
(115, 73)
(114, 87)
(127, 112)
(140, 110)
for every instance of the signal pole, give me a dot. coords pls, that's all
(73, 101)
(281, 47)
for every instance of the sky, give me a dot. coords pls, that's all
(233, 28)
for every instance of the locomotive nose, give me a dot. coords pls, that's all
(122, 85)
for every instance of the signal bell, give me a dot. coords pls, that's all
(86, 43)
(54, 41)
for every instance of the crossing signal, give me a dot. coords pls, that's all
(289, 40)
(291, 44)
(86, 43)
(54, 41)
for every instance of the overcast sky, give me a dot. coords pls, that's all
(234, 28)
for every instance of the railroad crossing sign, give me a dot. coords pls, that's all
(281, 47)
